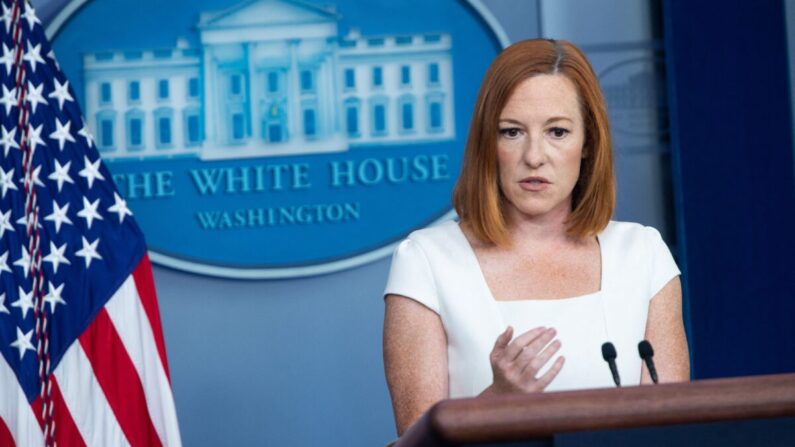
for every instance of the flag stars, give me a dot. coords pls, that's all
(57, 256)
(3, 308)
(34, 96)
(51, 55)
(61, 174)
(24, 303)
(61, 93)
(7, 59)
(30, 16)
(34, 177)
(9, 99)
(33, 56)
(24, 261)
(120, 207)
(53, 296)
(23, 342)
(89, 251)
(89, 212)
(4, 263)
(62, 133)
(5, 224)
(58, 216)
(24, 222)
(85, 133)
(8, 17)
(9, 140)
(91, 171)
(7, 181)
(34, 138)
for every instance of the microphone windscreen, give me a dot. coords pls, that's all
(645, 350)
(608, 351)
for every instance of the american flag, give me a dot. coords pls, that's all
(83, 359)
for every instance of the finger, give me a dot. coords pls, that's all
(544, 381)
(503, 339)
(498, 352)
(516, 346)
(536, 363)
(527, 355)
(535, 346)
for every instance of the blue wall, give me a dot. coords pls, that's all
(279, 362)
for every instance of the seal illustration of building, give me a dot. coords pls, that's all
(270, 78)
(637, 104)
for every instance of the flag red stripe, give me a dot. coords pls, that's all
(86, 400)
(5, 435)
(66, 433)
(116, 375)
(145, 284)
(36, 406)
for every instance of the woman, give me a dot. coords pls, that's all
(520, 295)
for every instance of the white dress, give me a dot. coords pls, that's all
(437, 267)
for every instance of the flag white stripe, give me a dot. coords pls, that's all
(133, 327)
(15, 409)
(86, 401)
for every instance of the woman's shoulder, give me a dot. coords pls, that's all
(628, 231)
(630, 238)
(639, 253)
(424, 260)
(439, 234)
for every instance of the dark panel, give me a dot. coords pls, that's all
(758, 433)
(733, 181)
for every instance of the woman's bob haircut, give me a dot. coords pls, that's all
(477, 196)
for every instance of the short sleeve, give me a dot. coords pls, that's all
(663, 267)
(410, 275)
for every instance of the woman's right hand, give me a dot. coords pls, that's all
(516, 363)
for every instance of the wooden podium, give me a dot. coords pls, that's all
(538, 419)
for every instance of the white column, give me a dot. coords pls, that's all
(210, 109)
(254, 94)
(325, 103)
(336, 102)
(295, 120)
(448, 115)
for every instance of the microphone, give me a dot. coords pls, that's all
(646, 353)
(609, 354)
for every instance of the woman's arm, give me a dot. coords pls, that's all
(666, 332)
(415, 359)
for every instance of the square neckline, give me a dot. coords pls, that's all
(482, 277)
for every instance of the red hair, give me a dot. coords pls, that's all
(477, 197)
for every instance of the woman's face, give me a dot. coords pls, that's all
(539, 147)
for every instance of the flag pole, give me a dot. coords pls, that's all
(33, 233)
